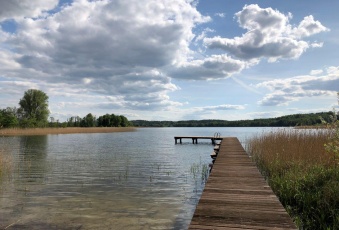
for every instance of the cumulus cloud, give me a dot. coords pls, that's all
(213, 67)
(307, 27)
(126, 53)
(276, 99)
(108, 34)
(284, 91)
(269, 35)
(15, 9)
(202, 35)
(105, 47)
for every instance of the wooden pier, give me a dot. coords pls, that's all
(195, 138)
(236, 196)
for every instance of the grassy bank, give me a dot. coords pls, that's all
(45, 131)
(302, 173)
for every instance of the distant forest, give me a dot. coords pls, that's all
(310, 119)
(33, 112)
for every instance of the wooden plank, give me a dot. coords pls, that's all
(236, 196)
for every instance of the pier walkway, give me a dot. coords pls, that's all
(236, 196)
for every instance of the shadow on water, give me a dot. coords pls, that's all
(32, 164)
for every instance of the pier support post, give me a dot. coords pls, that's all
(213, 141)
(176, 140)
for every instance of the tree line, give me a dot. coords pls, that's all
(33, 113)
(310, 119)
(107, 120)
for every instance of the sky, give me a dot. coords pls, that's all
(171, 59)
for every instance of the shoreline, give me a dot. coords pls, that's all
(68, 130)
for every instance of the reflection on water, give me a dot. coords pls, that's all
(137, 180)
(32, 164)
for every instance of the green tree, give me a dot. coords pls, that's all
(124, 121)
(34, 108)
(88, 121)
(116, 120)
(70, 122)
(8, 118)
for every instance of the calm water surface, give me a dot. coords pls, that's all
(134, 180)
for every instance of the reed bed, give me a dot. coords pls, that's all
(302, 173)
(69, 130)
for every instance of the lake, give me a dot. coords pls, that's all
(128, 180)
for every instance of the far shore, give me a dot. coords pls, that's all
(68, 130)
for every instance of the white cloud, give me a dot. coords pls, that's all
(222, 15)
(220, 107)
(333, 71)
(203, 34)
(317, 44)
(213, 67)
(110, 48)
(269, 35)
(276, 99)
(284, 91)
(208, 112)
(126, 53)
(15, 9)
(316, 72)
(109, 34)
(270, 114)
(287, 111)
(307, 27)
(7, 62)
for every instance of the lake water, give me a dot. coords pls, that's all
(129, 180)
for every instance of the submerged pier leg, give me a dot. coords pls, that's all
(213, 141)
(176, 140)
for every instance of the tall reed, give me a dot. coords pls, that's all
(302, 174)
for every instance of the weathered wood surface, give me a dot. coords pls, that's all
(236, 196)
